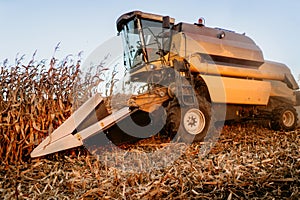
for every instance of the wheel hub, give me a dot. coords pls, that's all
(194, 121)
(288, 118)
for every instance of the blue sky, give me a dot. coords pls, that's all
(84, 25)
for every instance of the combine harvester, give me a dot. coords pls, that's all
(191, 71)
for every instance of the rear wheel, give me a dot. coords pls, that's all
(284, 118)
(188, 124)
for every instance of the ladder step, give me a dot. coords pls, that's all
(184, 79)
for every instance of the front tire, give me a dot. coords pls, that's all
(188, 124)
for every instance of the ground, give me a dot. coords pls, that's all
(247, 162)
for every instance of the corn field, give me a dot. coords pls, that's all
(35, 99)
(248, 161)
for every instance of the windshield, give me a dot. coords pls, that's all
(143, 41)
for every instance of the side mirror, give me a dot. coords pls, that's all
(166, 22)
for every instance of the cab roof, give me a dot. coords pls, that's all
(123, 19)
